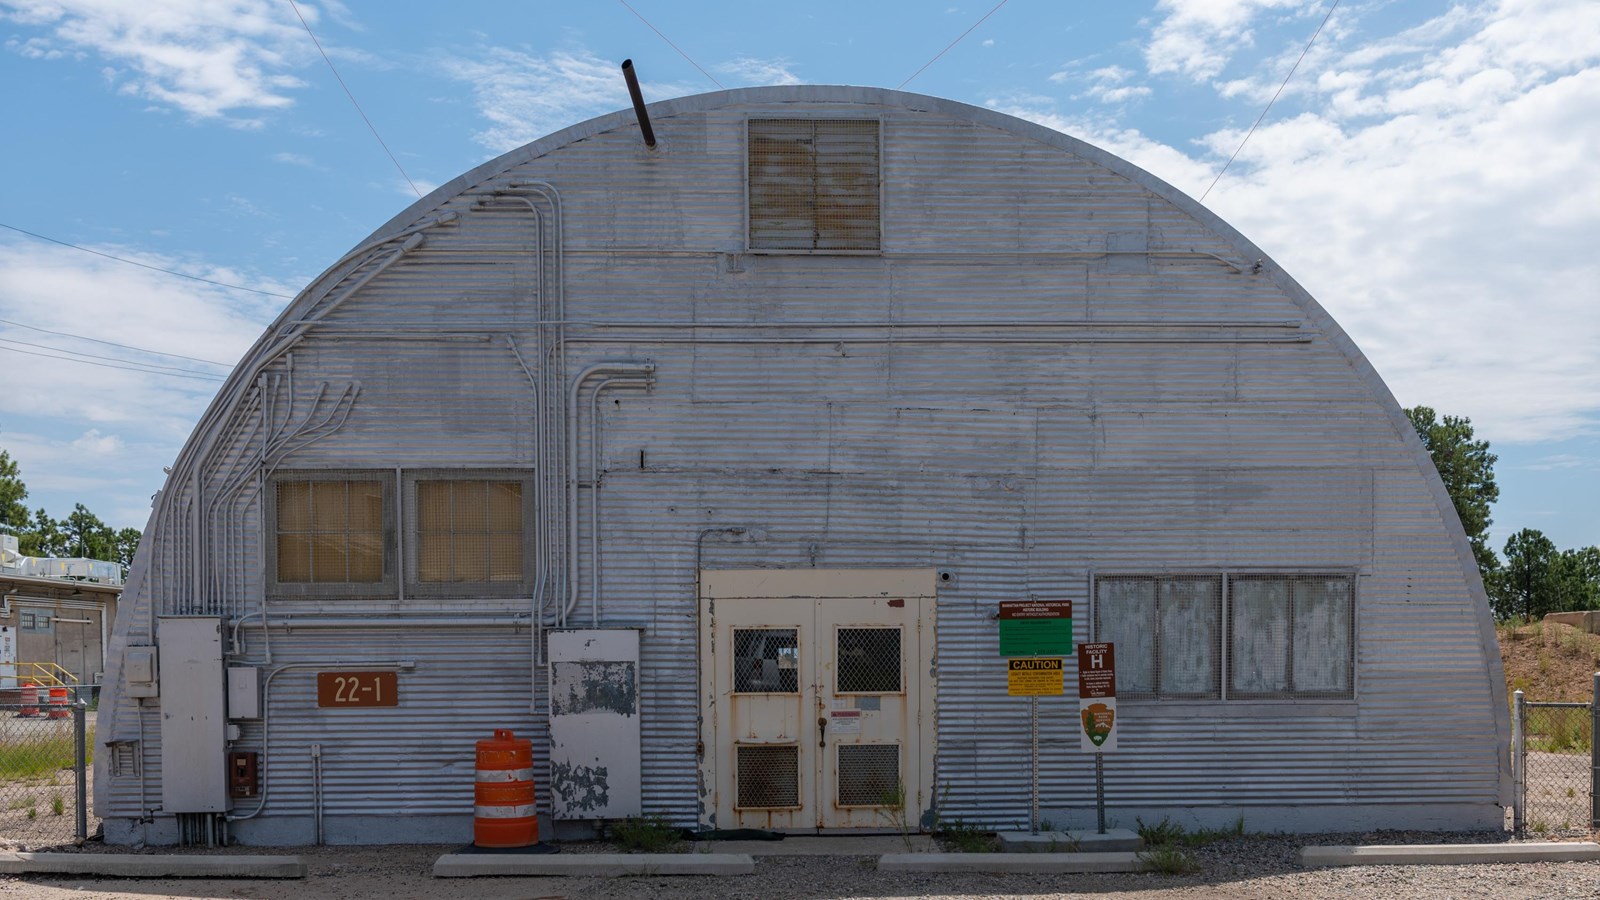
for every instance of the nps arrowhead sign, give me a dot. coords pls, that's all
(1035, 627)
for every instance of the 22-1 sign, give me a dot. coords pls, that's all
(347, 689)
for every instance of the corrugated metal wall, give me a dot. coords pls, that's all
(1171, 410)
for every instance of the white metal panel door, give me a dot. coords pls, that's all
(868, 700)
(762, 688)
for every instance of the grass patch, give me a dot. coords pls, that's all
(1170, 859)
(1164, 833)
(36, 758)
(650, 834)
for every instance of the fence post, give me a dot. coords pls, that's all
(80, 760)
(1517, 764)
(1594, 754)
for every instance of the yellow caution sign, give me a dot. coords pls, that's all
(1036, 676)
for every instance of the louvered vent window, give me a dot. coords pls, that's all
(813, 185)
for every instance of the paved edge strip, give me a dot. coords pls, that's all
(141, 865)
(601, 865)
(1008, 863)
(1449, 854)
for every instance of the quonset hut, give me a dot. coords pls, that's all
(706, 465)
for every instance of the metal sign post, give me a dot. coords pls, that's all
(1033, 767)
(1097, 714)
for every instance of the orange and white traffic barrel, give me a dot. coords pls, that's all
(503, 805)
(29, 700)
(58, 703)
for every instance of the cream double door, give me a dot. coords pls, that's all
(818, 697)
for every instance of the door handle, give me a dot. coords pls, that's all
(822, 731)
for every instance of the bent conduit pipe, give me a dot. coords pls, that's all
(633, 368)
(594, 486)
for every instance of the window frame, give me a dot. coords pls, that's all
(411, 551)
(1291, 693)
(1225, 658)
(748, 146)
(328, 590)
(1159, 580)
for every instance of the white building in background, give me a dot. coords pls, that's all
(705, 466)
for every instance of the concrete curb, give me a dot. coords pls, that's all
(1448, 854)
(1115, 840)
(1012, 863)
(597, 865)
(134, 865)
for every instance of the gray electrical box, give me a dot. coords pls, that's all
(244, 692)
(140, 671)
(193, 715)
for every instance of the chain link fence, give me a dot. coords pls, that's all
(1555, 766)
(44, 784)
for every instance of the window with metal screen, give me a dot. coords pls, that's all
(1167, 631)
(1291, 636)
(330, 531)
(869, 775)
(814, 184)
(469, 531)
(766, 660)
(768, 776)
(868, 661)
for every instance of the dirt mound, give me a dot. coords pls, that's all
(1549, 661)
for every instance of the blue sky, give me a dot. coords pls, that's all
(1431, 174)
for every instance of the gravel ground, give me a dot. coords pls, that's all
(1255, 866)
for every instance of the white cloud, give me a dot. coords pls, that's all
(526, 96)
(208, 58)
(1108, 84)
(129, 424)
(298, 159)
(751, 71)
(93, 443)
(988, 42)
(1197, 38)
(1441, 201)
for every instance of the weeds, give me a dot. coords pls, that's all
(894, 809)
(650, 834)
(1204, 836)
(57, 805)
(1162, 834)
(1170, 859)
(957, 834)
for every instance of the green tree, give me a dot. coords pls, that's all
(1575, 575)
(1467, 469)
(127, 544)
(13, 512)
(43, 536)
(1526, 585)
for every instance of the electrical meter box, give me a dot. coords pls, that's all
(193, 714)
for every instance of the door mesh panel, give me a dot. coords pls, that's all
(869, 660)
(766, 660)
(869, 775)
(769, 777)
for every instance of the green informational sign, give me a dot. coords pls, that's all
(1036, 628)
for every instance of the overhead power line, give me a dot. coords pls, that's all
(958, 40)
(155, 369)
(103, 365)
(352, 97)
(134, 262)
(1272, 101)
(672, 45)
(84, 337)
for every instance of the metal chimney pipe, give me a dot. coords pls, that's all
(645, 131)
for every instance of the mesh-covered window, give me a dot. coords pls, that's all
(869, 775)
(1167, 631)
(868, 661)
(469, 531)
(1291, 636)
(766, 660)
(768, 776)
(813, 184)
(330, 531)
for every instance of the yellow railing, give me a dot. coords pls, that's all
(47, 674)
